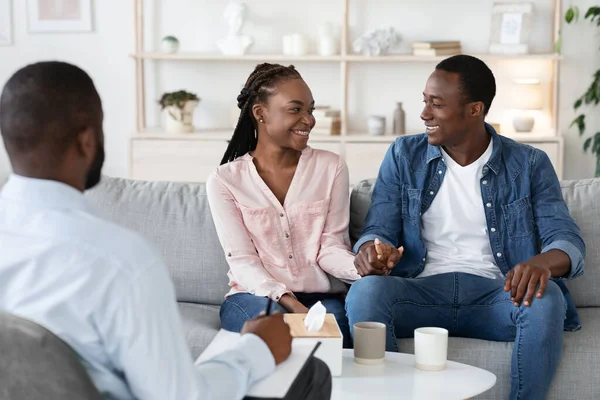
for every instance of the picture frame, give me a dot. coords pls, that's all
(511, 27)
(59, 16)
(6, 29)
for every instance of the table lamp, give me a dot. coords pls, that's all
(527, 96)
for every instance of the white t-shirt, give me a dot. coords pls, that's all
(454, 227)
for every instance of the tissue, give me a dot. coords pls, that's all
(315, 317)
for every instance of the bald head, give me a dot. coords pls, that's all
(45, 108)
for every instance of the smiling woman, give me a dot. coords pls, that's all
(275, 92)
(281, 208)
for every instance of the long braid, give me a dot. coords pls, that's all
(260, 85)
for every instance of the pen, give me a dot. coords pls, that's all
(269, 307)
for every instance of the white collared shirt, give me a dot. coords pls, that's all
(104, 291)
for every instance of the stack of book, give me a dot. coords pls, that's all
(328, 121)
(436, 48)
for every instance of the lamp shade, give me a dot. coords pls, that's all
(527, 94)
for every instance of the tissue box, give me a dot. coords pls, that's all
(329, 335)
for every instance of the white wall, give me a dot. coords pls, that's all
(581, 50)
(374, 88)
(103, 53)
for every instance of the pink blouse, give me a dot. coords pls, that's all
(273, 249)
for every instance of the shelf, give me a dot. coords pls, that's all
(200, 134)
(338, 58)
(220, 57)
(225, 134)
(532, 137)
(353, 137)
(485, 57)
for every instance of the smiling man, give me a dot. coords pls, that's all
(475, 234)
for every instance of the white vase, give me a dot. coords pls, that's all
(180, 120)
(376, 125)
(523, 122)
(327, 46)
(169, 44)
(299, 45)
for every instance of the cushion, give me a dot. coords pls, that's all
(583, 199)
(176, 218)
(200, 325)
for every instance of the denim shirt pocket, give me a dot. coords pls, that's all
(518, 217)
(411, 204)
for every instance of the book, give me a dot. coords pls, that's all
(276, 385)
(325, 111)
(327, 126)
(437, 52)
(436, 45)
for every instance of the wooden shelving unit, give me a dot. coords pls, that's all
(550, 141)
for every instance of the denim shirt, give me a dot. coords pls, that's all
(524, 207)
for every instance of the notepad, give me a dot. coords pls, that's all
(279, 382)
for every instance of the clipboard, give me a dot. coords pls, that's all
(276, 385)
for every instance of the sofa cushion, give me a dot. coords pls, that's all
(582, 198)
(176, 218)
(200, 325)
(360, 201)
(576, 377)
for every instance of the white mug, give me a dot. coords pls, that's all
(431, 348)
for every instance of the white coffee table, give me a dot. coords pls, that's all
(397, 378)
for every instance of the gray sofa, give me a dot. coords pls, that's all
(177, 219)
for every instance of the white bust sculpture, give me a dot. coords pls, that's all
(235, 43)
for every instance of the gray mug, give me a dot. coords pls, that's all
(369, 343)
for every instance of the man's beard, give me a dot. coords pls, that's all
(95, 172)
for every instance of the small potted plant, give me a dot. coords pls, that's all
(179, 108)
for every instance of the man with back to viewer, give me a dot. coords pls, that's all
(101, 288)
(474, 232)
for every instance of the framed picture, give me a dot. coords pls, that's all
(5, 23)
(59, 15)
(511, 27)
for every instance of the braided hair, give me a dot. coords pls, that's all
(260, 85)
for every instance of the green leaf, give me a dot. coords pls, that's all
(577, 104)
(580, 122)
(587, 143)
(569, 15)
(592, 12)
(596, 145)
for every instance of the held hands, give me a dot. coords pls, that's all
(522, 282)
(274, 332)
(377, 258)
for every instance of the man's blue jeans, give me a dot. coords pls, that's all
(240, 307)
(472, 307)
